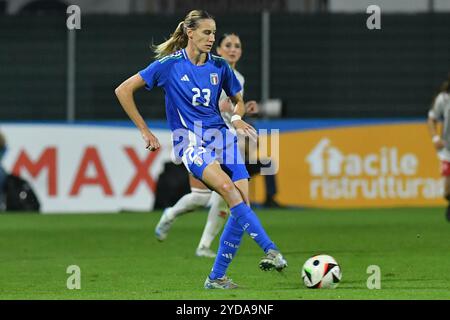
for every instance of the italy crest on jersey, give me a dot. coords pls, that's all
(214, 77)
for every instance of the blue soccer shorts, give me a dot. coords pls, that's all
(196, 159)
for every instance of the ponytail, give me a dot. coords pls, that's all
(178, 40)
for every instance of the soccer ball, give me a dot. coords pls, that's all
(321, 271)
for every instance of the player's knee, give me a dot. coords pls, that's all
(226, 188)
(201, 198)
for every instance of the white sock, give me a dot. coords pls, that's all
(216, 219)
(189, 202)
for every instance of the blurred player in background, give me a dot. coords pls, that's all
(440, 112)
(193, 80)
(2, 172)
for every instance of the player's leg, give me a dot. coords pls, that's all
(231, 237)
(216, 179)
(447, 196)
(269, 180)
(270, 183)
(216, 218)
(242, 219)
(445, 172)
(271, 191)
(273, 258)
(198, 197)
(217, 215)
(2, 187)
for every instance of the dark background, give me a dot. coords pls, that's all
(322, 65)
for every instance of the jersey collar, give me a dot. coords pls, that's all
(187, 58)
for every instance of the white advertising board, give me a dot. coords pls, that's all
(86, 168)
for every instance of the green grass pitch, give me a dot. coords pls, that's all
(120, 258)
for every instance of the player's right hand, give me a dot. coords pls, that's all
(243, 128)
(151, 142)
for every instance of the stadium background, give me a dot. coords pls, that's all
(309, 60)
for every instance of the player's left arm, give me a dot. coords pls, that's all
(435, 136)
(236, 120)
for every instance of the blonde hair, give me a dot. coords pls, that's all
(178, 39)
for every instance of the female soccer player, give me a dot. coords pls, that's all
(229, 47)
(440, 113)
(193, 80)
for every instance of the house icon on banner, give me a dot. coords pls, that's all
(325, 159)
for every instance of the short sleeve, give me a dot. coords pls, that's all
(231, 84)
(153, 75)
(437, 110)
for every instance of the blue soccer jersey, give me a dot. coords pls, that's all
(192, 108)
(192, 92)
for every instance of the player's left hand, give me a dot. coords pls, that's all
(244, 128)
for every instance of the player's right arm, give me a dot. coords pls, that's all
(236, 120)
(125, 94)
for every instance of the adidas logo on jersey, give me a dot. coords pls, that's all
(185, 78)
(227, 255)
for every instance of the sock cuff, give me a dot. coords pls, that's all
(238, 207)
